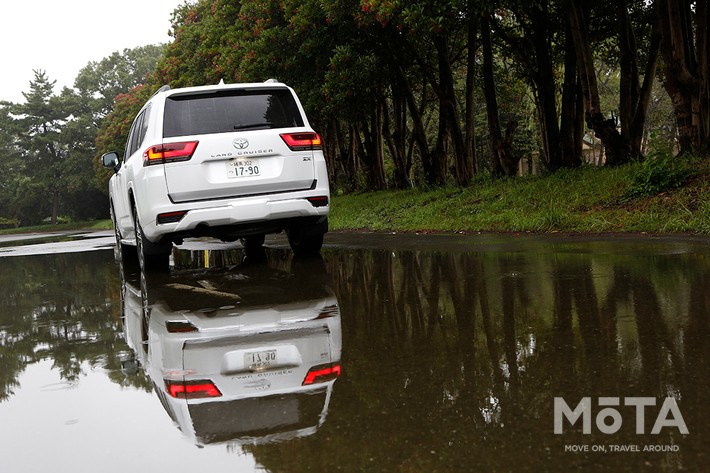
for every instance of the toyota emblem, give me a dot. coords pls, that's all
(241, 143)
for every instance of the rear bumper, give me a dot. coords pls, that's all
(240, 217)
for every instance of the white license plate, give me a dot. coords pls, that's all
(243, 168)
(258, 360)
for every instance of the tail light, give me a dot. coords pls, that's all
(305, 141)
(169, 153)
(322, 373)
(192, 389)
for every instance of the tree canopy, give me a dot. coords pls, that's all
(403, 92)
(433, 92)
(48, 142)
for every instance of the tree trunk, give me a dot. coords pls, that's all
(686, 72)
(703, 48)
(345, 159)
(441, 150)
(503, 161)
(376, 179)
(605, 129)
(546, 87)
(55, 206)
(470, 96)
(396, 139)
(569, 128)
(332, 151)
(418, 128)
(450, 130)
(634, 96)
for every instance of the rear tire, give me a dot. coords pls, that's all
(121, 253)
(303, 244)
(252, 242)
(151, 256)
(254, 248)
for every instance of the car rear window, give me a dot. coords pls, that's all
(230, 110)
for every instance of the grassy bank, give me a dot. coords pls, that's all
(588, 199)
(581, 200)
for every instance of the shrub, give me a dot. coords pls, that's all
(658, 173)
(9, 223)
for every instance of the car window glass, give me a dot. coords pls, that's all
(132, 135)
(138, 132)
(231, 110)
(144, 126)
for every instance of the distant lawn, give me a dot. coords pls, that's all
(585, 200)
(92, 225)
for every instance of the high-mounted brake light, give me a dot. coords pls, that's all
(322, 373)
(305, 141)
(169, 153)
(192, 389)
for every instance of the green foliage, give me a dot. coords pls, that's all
(349, 83)
(38, 125)
(115, 128)
(9, 223)
(658, 173)
(192, 57)
(373, 75)
(100, 82)
(586, 199)
(48, 142)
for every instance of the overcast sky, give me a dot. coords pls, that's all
(62, 36)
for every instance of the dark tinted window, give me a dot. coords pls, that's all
(230, 110)
(257, 417)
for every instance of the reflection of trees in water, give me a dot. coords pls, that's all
(449, 356)
(61, 308)
(695, 385)
(572, 303)
(459, 354)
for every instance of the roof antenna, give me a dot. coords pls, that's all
(221, 82)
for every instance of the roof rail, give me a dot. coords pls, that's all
(162, 89)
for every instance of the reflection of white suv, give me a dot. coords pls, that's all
(225, 161)
(248, 355)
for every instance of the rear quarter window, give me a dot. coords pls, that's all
(227, 111)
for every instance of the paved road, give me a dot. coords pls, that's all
(57, 242)
(76, 241)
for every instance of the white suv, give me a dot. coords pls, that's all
(227, 161)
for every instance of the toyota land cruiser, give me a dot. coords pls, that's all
(232, 162)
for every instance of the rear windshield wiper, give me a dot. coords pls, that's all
(253, 125)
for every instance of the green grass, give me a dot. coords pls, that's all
(580, 200)
(584, 200)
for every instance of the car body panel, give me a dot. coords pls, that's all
(210, 173)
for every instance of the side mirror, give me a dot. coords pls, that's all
(111, 160)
